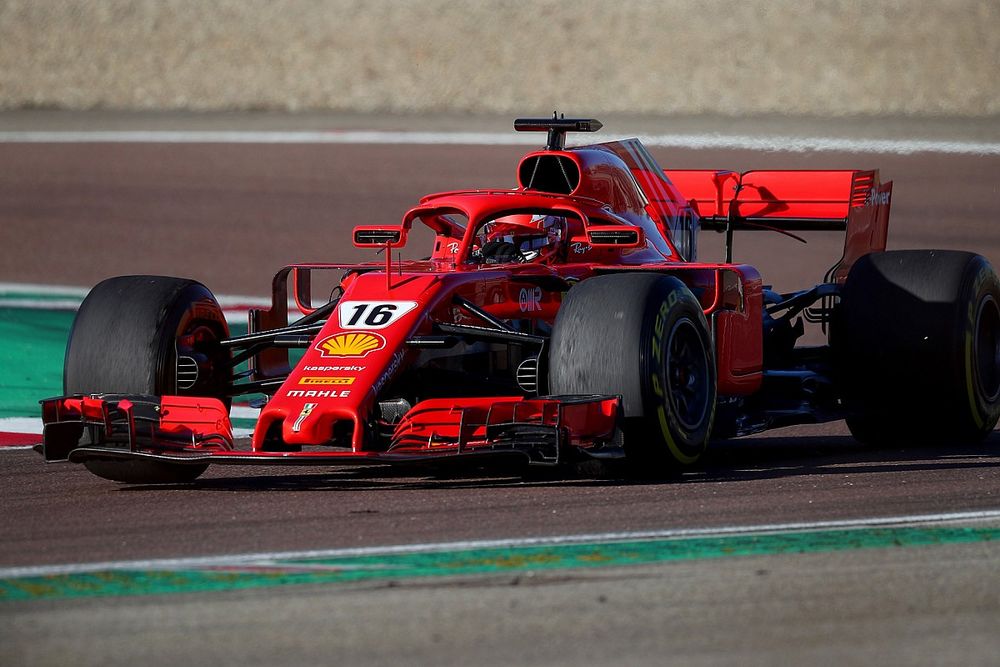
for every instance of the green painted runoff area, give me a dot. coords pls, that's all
(471, 562)
(32, 347)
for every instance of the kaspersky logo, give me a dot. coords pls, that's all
(350, 344)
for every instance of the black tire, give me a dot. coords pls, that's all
(126, 339)
(643, 336)
(145, 472)
(916, 339)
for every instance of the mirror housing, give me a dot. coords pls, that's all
(378, 236)
(615, 236)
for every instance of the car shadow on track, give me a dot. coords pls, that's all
(742, 459)
(772, 457)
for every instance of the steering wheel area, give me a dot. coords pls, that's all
(500, 252)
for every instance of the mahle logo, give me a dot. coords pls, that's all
(353, 344)
(326, 380)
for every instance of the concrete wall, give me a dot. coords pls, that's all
(920, 57)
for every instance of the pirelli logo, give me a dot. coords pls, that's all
(328, 380)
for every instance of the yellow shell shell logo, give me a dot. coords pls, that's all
(350, 344)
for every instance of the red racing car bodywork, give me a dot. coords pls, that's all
(565, 318)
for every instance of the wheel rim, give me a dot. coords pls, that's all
(986, 348)
(687, 374)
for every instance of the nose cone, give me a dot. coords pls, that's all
(360, 349)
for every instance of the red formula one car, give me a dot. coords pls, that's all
(566, 318)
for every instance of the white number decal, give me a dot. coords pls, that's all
(372, 314)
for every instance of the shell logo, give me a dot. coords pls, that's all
(353, 344)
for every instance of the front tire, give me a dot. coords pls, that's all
(917, 340)
(642, 336)
(148, 335)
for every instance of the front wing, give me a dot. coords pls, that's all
(195, 431)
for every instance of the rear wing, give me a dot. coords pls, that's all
(836, 200)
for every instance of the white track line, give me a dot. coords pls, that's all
(33, 425)
(431, 547)
(236, 314)
(243, 412)
(35, 288)
(41, 304)
(56, 297)
(27, 295)
(792, 144)
(25, 425)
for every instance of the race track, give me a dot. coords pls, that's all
(796, 546)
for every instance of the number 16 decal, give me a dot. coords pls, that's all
(372, 314)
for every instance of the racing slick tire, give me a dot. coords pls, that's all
(127, 338)
(644, 337)
(917, 345)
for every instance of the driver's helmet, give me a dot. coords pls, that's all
(520, 238)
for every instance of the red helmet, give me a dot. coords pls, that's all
(520, 238)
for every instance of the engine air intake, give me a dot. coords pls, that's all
(556, 174)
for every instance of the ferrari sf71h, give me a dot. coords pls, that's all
(566, 318)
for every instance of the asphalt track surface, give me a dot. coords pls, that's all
(230, 215)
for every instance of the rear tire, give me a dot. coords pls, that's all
(127, 338)
(917, 341)
(642, 336)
